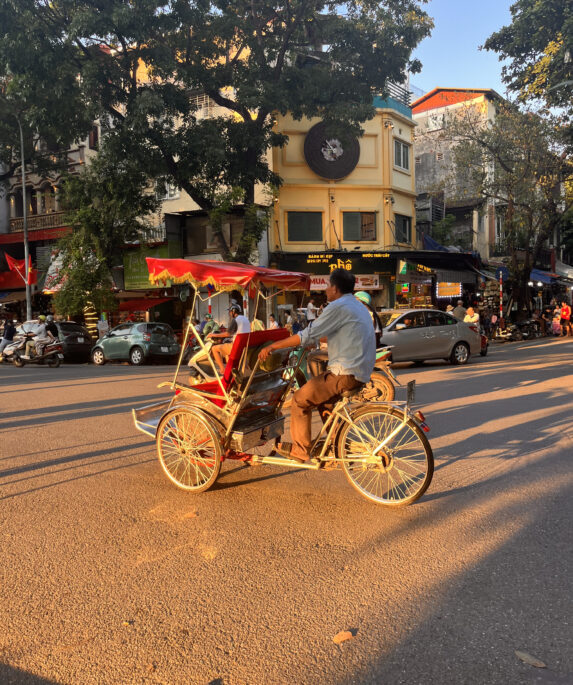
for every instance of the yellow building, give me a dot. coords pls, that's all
(346, 202)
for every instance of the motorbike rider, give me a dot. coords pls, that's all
(42, 337)
(238, 324)
(8, 334)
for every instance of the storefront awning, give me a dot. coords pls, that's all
(142, 305)
(14, 296)
(543, 276)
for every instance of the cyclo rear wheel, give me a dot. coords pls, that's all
(189, 449)
(401, 472)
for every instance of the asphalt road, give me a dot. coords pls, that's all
(109, 574)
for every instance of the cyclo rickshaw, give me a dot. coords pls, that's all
(380, 446)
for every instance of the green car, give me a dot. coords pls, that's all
(136, 343)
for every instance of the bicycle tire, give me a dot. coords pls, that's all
(403, 470)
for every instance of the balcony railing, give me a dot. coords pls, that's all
(37, 222)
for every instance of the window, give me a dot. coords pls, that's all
(357, 226)
(403, 228)
(167, 191)
(304, 227)
(413, 320)
(439, 319)
(122, 329)
(93, 139)
(401, 155)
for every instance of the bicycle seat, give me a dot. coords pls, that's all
(354, 391)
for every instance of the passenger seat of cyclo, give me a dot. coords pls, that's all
(254, 339)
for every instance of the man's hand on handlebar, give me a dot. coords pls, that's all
(265, 353)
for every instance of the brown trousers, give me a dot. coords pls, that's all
(323, 392)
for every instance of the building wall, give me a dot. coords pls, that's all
(375, 185)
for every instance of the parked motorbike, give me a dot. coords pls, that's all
(52, 353)
(523, 330)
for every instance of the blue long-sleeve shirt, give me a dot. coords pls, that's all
(347, 325)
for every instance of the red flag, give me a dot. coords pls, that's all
(19, 265)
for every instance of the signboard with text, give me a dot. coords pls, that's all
(363, 282)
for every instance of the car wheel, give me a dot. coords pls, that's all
(98, 357)
(136, 356)
(460, 354)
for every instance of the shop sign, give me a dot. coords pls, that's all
(324, 263)
(448, 289)
(136, 274)
(363, 282)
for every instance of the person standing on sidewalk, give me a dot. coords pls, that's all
(347, 326)
(565, 319)
(459, 311)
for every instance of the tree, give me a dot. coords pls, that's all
(539, 46)
(516, 163)
(147, 68)
(108, 206)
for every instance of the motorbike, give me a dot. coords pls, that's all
(523, 330)
(52, 353)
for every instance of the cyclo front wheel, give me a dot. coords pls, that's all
(189, 449)
(397, 474)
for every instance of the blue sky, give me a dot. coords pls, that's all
(450, 56)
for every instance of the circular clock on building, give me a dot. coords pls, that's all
(329, 156)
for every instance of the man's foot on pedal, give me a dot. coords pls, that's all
(285, 450)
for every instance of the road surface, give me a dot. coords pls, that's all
(109, 574)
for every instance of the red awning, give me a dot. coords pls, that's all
(223, 275)
(43, 234)
(142, 305)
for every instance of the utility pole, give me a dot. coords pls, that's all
(25, 224)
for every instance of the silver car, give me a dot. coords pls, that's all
(420, 334)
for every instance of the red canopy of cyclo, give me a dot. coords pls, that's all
(223, 275)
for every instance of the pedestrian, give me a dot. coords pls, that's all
(347, 325)
(460, 311)
(471, 316)
(565, 314)
(273, 323)
(450, 310)
(8, 334)
(102, 326)
(311, 310)
(288, 321)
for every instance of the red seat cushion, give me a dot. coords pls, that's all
(253, 339)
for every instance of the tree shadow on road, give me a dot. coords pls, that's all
(11, 675)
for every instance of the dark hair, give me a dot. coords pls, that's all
(343, 280)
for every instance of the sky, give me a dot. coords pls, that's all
(450, 56)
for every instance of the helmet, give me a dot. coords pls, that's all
(49, 317)
(363, 297)
(208, 316)
(235, 308)
(42, 317)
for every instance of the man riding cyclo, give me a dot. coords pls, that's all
(347, 326)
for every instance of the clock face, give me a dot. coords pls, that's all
(329, 156)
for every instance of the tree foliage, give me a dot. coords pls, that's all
(146, 69)
(108, 206)
(516, 163)
(539, 46)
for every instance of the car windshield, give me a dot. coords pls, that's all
(386, 318)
